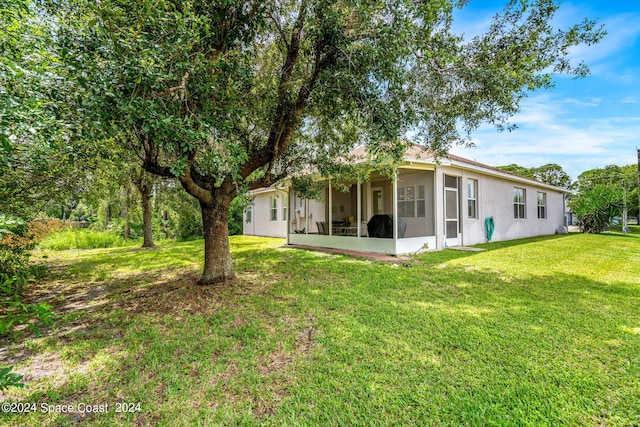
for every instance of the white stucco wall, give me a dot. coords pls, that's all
(261, 224)
(495, 198)
(305, 214)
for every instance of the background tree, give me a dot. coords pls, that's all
(597, 207)
(550, 173)
(38, 164)
(229, 96)
(553, 174)
(144, 183)
(518, 170)
(619, 178)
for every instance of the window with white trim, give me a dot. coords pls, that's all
(285, 207)
(519, 203)
(542, 205)
(411, 201)
(472, 198)
(274, 208)
(249, 214)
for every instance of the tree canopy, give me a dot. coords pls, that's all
(39, 162)
(550, 173)
(622, 180)
(597, 207)
(228, 96)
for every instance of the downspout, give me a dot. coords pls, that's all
(306, 220)
(436, 207)
(288, 225)
(564, 211)
(359, 209)
(330, 222)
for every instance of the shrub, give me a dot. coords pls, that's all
(15, 272)
(595, 209)
(9, 379)
(80, 239)
(16, 311)
(235, 216)
(31, 232)
(189, 225)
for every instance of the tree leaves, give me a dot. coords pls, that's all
(596, 208)
(550, 173)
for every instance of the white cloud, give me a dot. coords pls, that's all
(547, 134)
(581, 126)
(623, 32)
(588, 102)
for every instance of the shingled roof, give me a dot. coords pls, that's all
(420, 154)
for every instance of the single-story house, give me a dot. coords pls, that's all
(428, 203)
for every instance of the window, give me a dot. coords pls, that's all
(519, 207)
(249, 214)
(420, 202)
(411, 201)
(285, 208)
(472, 198)
(450, 181)
(542, 205)
(274, 208)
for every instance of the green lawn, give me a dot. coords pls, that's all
(536, 332)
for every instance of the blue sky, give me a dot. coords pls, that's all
(580, 124)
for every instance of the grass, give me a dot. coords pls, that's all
(81, 239)
(542, 331)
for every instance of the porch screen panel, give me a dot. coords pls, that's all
(452, 229)
(451, 205)
(415, 202)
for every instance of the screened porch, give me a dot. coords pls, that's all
(383, 215)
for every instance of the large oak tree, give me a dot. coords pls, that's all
(231, 95)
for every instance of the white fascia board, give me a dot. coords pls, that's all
(268, 190)
(432, 161)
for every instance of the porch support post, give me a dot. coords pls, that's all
(439, 205)
(330, 222)
(359, 208)
(288, 220)
(394, 209)
(306, 217)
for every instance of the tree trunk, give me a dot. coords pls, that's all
(147, 226)
(217, 258)
(145, 186)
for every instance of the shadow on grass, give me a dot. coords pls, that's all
(312, 339)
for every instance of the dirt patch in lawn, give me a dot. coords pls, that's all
(97, 312)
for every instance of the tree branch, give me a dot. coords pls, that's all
(156, 169)
(283, 35)
(191, 187)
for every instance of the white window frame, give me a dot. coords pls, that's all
(249, 214)
(472, 199)
(542, 207)
(285, 207)
(274, 208)
(519, 203)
